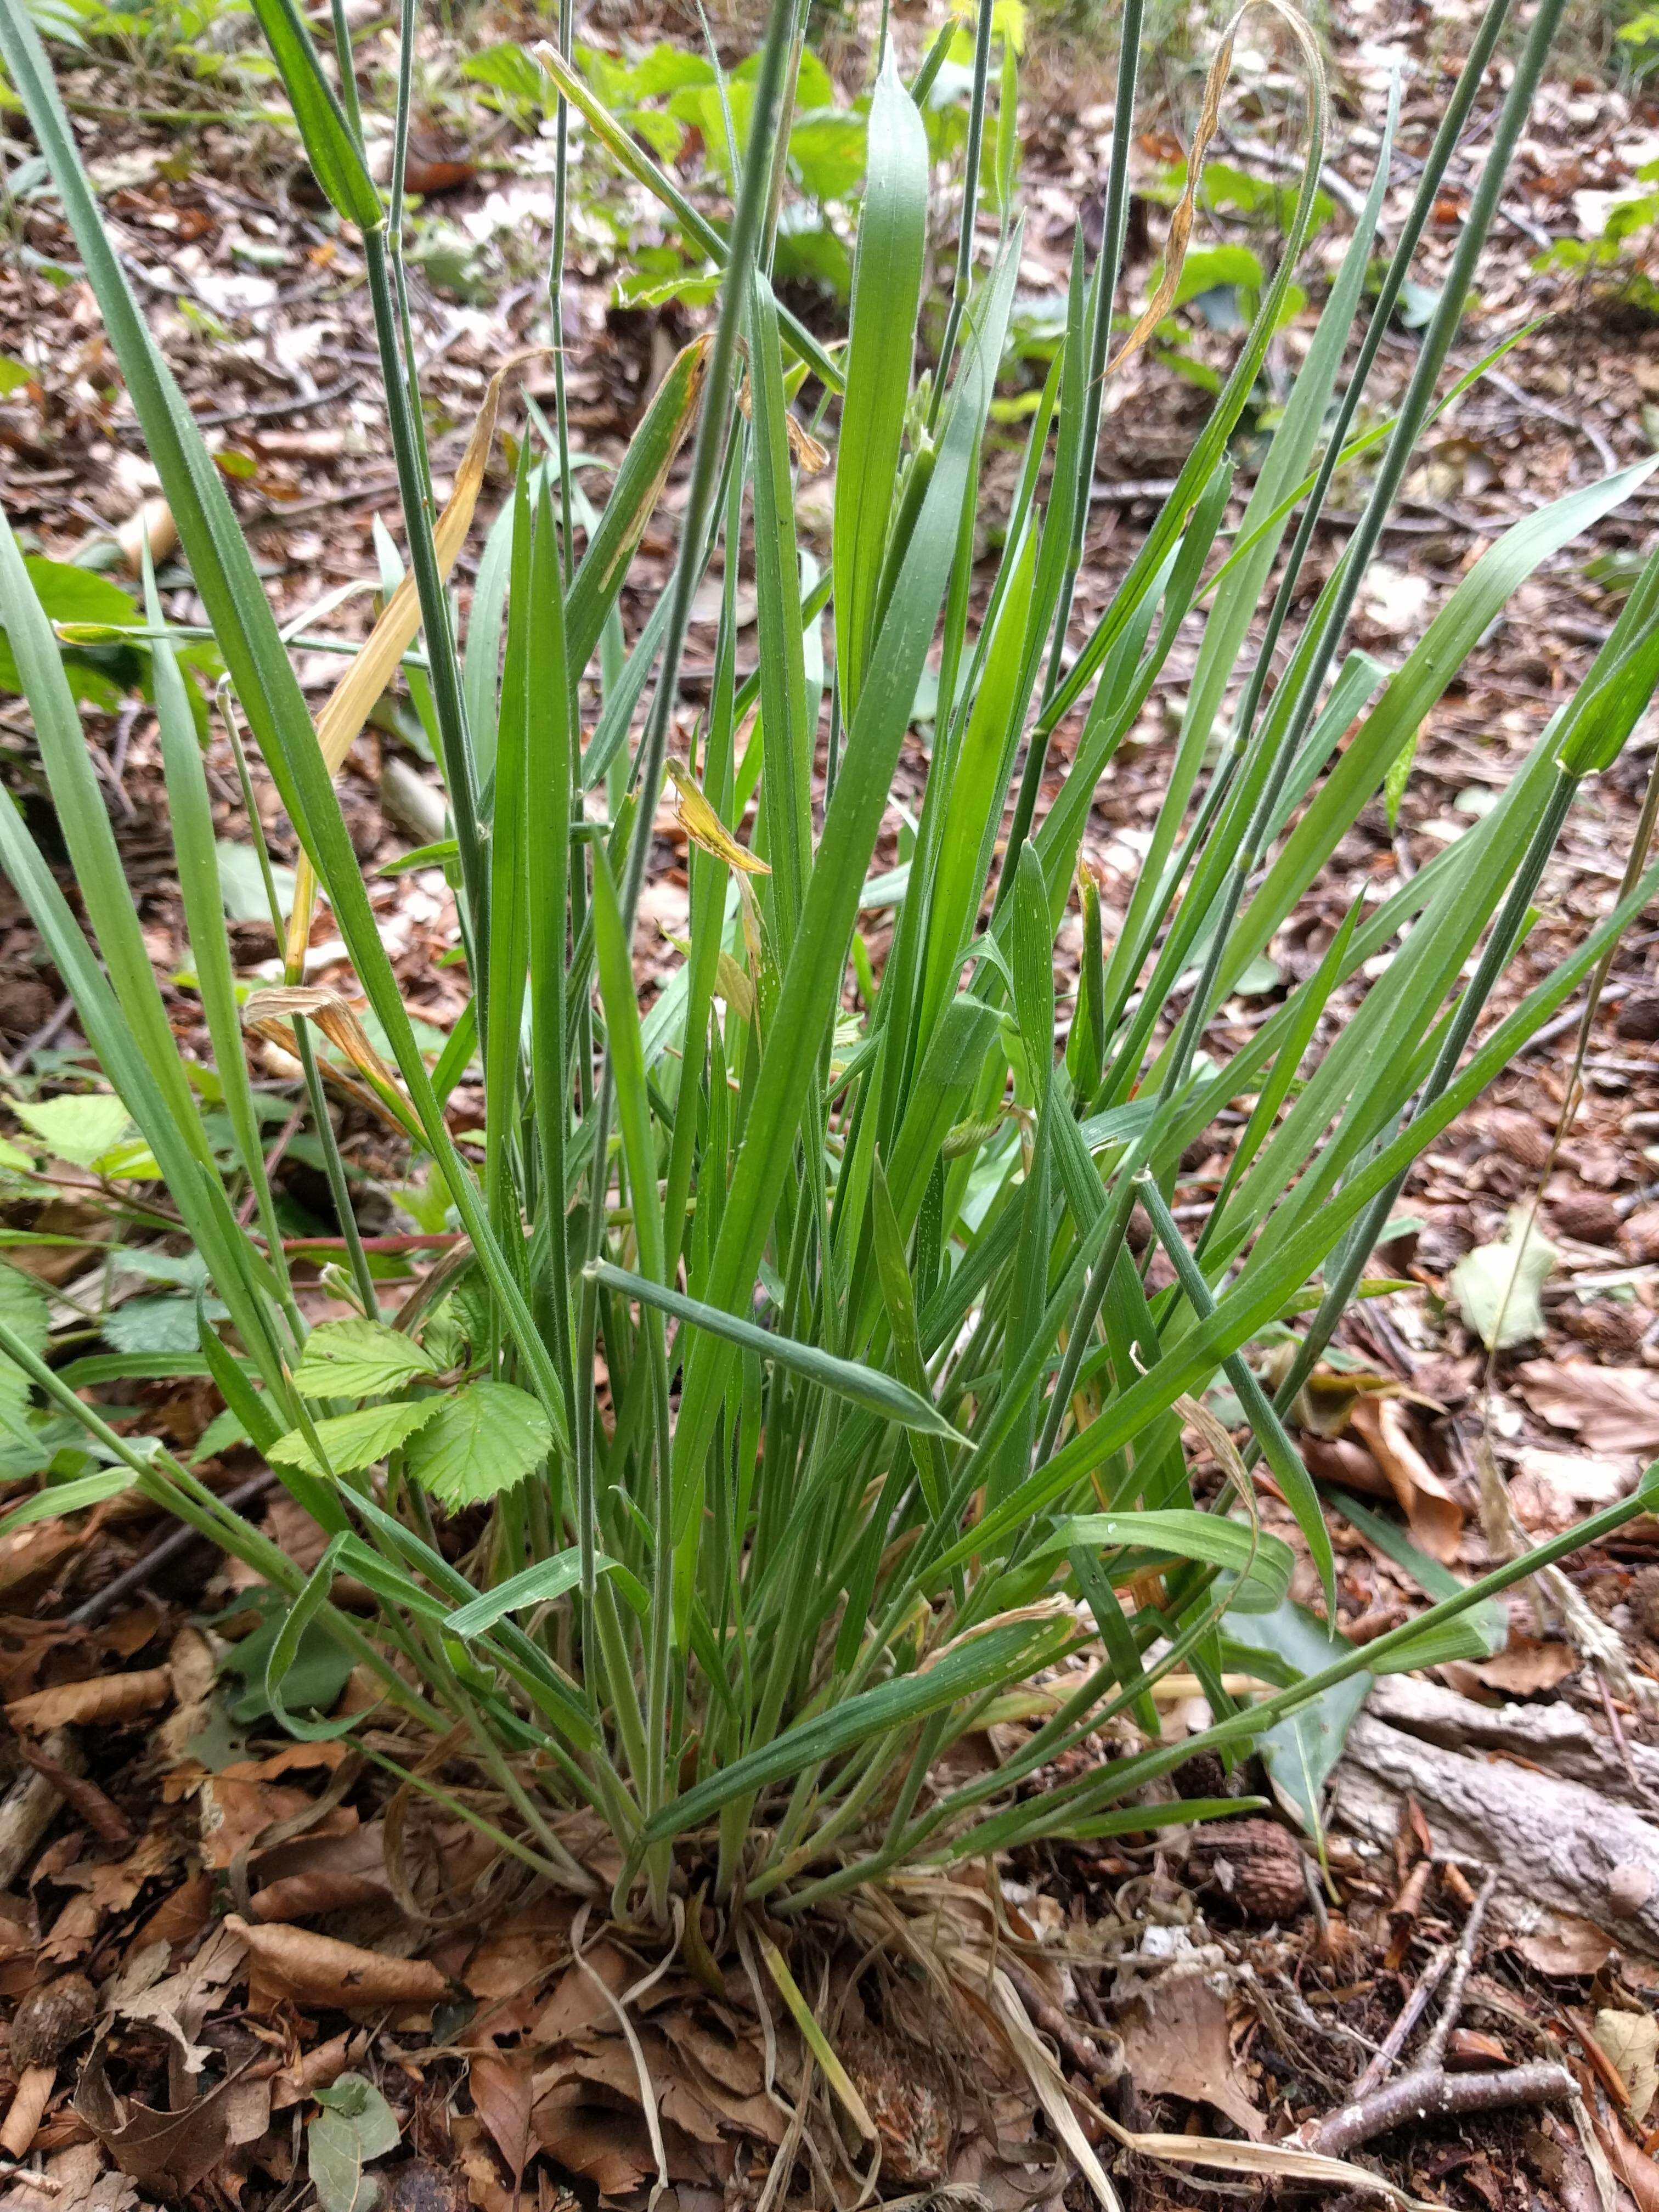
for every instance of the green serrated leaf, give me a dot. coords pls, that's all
(80, 1129)
(358, 1359)
(354, 1441)
(483, 1441)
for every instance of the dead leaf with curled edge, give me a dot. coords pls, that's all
(811, 457)
(104, 1700)
(1175, 2044)
(269, 1014)
(376, 660)
(1432, 1514)
(171, 2153)
(1613, 1409)
(320, 1970)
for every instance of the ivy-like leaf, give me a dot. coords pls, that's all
(358, 1359)
(353, 1441)
(486, 1438)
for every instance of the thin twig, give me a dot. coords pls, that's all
(93, 1609)
(1382, 2061)
(1434, 2050)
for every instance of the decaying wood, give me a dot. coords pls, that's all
(1553, 1843)
(32, 1804)
(1558, 1737)
(1436, 2094)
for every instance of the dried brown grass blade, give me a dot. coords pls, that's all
(352, 699)
(1180, 222)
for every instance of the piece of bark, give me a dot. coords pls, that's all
(31, 1806)
(1553, 1844)
(1556, 1737)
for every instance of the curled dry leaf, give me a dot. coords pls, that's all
(703, 826)
(318, 1970)
(181, 1915)
(1523, 1667)
(353, 697)
(1432, 1514)
(23, 2115)
(170, 2152)
(105, 1697)
(1631, 2040)
(1631, 2166)
(83, 1796)
(1175, 2044)
(151, 525)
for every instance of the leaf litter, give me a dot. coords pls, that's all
(542, 2061)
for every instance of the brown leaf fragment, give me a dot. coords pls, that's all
(172, 2151)
(1524, 1667)
(1175, 2044)
(611, 2149)
(83, 1797)
(76, 2176)
(106, 1698)
(1432, 1514)
(502, 2098)
(320, 1970)
(1613, 1409)
(181, 1916)
(24, 2113)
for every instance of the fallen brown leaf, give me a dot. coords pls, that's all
(320, 1970)
(171, 2152)
(1523, 1668)
(76, 2176)
(1613, 1409)
(314, 1875)
(1175, 2044)
(151, 525)
(180, 1916)
(83, 1797)
(1633, 2167)
(502, 2098)
(23, 2114)
(105, 1698)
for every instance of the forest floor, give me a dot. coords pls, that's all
(1234, 1989)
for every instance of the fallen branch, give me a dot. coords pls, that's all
(1431, 2094)
(1429, 2091)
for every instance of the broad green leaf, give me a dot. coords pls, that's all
(148, 1326)
(1497, 1287)
(24, 1308)
(351, 1442)
(356, 2126)
(358, 1359)
(1300, 1752)
(81, 1128)
(485, 1439)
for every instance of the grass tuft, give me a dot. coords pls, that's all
(791, 1398)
